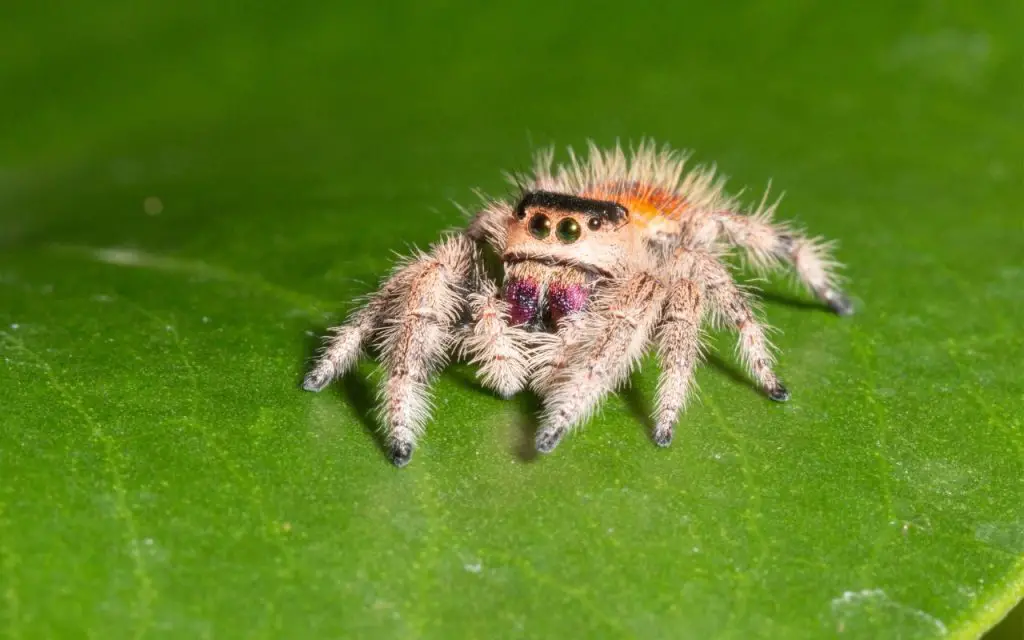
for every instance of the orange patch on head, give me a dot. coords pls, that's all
(648, 205)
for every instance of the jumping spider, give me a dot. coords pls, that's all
(603, 256)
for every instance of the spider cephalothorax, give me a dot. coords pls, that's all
(558, 245)
(603, 257)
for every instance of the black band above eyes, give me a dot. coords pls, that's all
(610, 211)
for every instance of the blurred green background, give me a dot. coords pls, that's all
(190, 193)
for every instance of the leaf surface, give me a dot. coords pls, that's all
(188, 197)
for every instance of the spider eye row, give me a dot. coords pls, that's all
(567, 231)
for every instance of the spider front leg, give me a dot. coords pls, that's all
(550, 351)
(343, 349)
(767, 244)
(412, 319)
(733, 305)
(611, 338)
(679, 351)
(499, 350)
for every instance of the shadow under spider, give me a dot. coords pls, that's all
(790, 300)
(736, 375)
(526, 424)
(354, 388)
(638, 406)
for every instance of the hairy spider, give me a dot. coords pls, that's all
(603, 257)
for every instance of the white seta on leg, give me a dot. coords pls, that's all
(411, 321)
(733, 306)
(679, 351)
(499, 351)
(612, 337)
(769, 245)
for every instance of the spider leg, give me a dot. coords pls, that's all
(734, 305)
(549, 355)
(343, 349)
(679, 351)
(612, 337)
(415, 339)
(411, 319)
(768, 244)
(498, 349)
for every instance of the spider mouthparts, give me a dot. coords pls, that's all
(779, 393)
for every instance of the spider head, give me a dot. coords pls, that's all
(561, 229)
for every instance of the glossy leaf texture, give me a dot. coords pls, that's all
(190, 195)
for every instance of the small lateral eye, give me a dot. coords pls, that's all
(568, 230)
(521, 213)
(594, 223)
(540, 226)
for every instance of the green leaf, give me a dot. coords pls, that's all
(190, 196)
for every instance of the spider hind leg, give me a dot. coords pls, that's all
(733, 306)
(768, 245)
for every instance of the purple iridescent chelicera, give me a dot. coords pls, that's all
(521, 296)
(566, 299)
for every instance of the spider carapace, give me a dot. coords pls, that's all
(603, 258)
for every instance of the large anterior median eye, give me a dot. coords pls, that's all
(568, 230)
(540, 226)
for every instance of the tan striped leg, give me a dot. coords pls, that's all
(768, 245)
(679, 351)
(613, 336)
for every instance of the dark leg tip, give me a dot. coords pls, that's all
(663, 436)
(401, 454)
(548, 439)
(779, 393)
(840, 304)
(316, 381)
